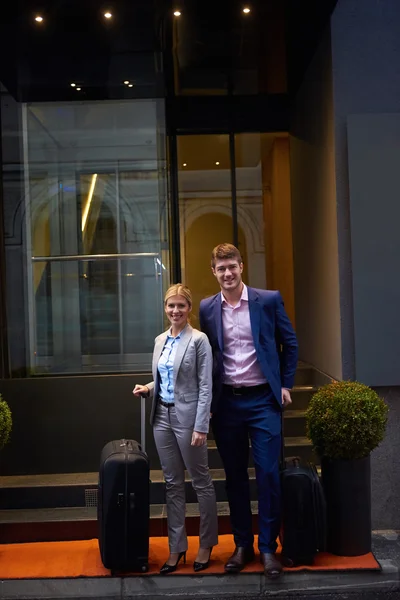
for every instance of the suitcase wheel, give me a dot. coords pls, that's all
(145, 568)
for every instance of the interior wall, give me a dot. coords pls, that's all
(278, 221)
(315, 244)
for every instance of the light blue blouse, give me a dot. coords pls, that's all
(166, 368)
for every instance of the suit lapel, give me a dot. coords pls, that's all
(218, 320)
(156, 357)
(158, 350)
(186, 336)
(255, 314)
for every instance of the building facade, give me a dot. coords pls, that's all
(134, 139)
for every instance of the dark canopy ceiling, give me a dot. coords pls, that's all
(76, 43)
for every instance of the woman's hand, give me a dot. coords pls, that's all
(140, 390)
(199, 439)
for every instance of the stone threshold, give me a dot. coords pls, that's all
(353, 585)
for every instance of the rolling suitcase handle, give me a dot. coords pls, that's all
(143, 422)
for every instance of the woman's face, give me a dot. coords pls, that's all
(177, 310)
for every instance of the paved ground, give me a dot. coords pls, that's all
(302, 586)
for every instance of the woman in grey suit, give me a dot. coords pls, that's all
(180, 415)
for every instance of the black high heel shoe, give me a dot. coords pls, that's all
(198, 566)
(165, 569)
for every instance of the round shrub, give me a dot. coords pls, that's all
(346, 420)
(5, 422)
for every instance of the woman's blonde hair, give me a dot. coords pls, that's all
(178, 289)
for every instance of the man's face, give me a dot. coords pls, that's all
(228, 273)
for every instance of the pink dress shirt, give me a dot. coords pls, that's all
(240, 360)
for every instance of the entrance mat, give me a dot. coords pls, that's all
(54, 560)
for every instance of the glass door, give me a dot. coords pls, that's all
(220, 200)
(96, 259)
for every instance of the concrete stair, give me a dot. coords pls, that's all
(63, 506)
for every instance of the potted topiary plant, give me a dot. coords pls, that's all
(345, 422)
(5, 422)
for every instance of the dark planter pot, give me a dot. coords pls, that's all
(347, 485)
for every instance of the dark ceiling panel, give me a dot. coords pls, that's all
(216, 46)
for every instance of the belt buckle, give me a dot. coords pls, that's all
(235, 392)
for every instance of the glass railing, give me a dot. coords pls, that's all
(96, 313)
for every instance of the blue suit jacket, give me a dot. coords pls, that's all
(274, 340)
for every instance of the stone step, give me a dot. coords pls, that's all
(68, 524)
(294, 446)
(80, 490)
(301, 396)
(294, 422)
(307, 375)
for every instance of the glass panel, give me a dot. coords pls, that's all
(95, 235)
(250, 207)
(99, 303)
(205, 208)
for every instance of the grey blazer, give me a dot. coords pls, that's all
(192, 379)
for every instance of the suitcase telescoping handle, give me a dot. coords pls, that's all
(143, 422)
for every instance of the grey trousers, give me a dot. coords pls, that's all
(175, 452)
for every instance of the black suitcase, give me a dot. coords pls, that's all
(123, 508)
(303, 530)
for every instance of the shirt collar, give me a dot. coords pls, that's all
(244, 296)
(178, 337)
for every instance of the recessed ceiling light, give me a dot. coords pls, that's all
(184, 165)
(78, 89)
(73, 84)
(108, 15)
(246, 10)
(217, 163)
(130, 85)
(39, 19)
(177, 13)
(126, 82)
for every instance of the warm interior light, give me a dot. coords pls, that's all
(88, 202)
(78, 89)
(39, 19)
(130, 85)
(217, 163)
(108, 15)
(126, 82)
(177, 13)
(73, 84)
(184, 165)
(246, 10)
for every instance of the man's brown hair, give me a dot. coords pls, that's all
(223, 251)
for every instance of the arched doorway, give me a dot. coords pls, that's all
(201, 237)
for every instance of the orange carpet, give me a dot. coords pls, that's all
(46, 560)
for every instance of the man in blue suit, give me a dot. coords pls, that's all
(254, 363)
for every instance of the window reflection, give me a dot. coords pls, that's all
(94, 194)
(205, 208)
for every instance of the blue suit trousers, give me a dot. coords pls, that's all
(254, 415)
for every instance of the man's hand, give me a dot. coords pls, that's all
(199, 439)
(140, 390)
(286, 399)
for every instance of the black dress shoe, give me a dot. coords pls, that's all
(166, 568)
(272, 566)
(198, 566)
(239, 559)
